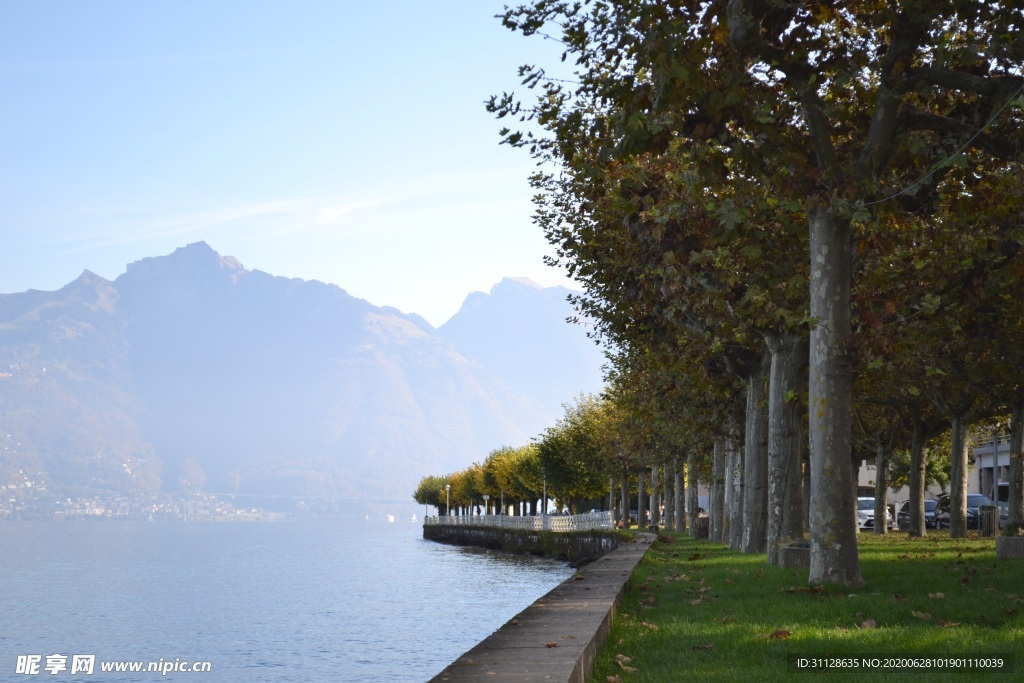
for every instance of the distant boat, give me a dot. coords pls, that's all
(366, 518)
(391, 518)
(414, 518)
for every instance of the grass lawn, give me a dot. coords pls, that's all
(698, 611)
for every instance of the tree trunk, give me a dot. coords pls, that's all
(917, 479)
(1016, 476)
(958, 479)
(728, 498)
(624, 500)
(716, 496)
(655, 503)
(834, 556)
(785, 522)
(734, 481)
(641, 501)
(692, 500)
(881, 487)
(755, 460)
(677, 498)
(668, 518)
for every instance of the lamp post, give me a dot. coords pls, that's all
(544, 502)
(447, 503)
(487, 506)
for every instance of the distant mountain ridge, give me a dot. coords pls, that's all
(189, 370)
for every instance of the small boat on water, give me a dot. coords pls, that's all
(414, 518)
(391, 519)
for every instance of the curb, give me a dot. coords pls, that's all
(558, 637)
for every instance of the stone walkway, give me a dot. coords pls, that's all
(557, 637)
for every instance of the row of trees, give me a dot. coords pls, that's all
(576, 464)
(795, 224)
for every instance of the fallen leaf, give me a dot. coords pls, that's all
(515, 622)
(612, 679)
(728, 580)
(622, 661)
(897, 597)
(936, 596)
(946, 623)
(921, 615)
(869, 623)
(991, 590)
(552, 645)
(706, 646)
(965, 581)
(648, 625)
(779, 634)
(696, 602)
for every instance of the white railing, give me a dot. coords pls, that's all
(589, 522)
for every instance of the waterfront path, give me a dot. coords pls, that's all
(556, 638)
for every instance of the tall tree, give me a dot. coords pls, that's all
(837, 107)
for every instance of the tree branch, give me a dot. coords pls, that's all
(912, 118)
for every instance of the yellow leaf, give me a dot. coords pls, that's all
(936, 596)
(921, 615)
(779, 634)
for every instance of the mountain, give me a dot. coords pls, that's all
(513, 332)
(189, 371)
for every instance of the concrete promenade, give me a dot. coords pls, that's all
(556, 638)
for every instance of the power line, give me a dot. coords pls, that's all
(950, 158)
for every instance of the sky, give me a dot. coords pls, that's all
(325, 140)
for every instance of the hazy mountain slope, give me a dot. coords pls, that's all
(518, 331)
(190, 367)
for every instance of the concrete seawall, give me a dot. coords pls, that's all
(556, 638)
(573, 546)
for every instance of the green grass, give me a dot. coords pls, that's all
(696, 610)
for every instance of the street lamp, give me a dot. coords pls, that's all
(447, 503)
(544, 502)
(487, 508)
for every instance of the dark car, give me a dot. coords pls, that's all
(930, 520)
(974, 501)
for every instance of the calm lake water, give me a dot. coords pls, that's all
(289, 601)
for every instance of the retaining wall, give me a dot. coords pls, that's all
(576, 547)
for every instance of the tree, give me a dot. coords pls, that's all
(841, 108)
(431, 492)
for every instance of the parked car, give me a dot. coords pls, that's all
(930, 520)
(974, 501)
(866, 514)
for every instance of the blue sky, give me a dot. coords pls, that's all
(339, 141)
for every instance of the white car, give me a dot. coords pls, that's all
(866, 514)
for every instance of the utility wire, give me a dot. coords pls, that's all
(950, 158)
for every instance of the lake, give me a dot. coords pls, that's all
(283, 601)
